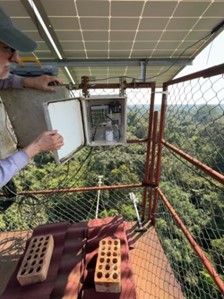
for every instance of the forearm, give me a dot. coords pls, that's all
(41, 82)
(13, 81)
(11, 166)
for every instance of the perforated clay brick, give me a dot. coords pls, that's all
(107, 277)
(35, 265)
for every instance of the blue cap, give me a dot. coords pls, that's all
(12, 36)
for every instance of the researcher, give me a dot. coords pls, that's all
(11, 41)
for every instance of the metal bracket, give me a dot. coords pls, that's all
(122, 91)
(85, 90)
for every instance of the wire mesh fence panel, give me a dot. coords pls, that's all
(138, 112)
(138, 103)
(90, 167)
(194, 125)
(116, 164)
(194, 279)
(27, 212)
(195, 119)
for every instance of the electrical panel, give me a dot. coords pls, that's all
(96, 121)
(105, 120)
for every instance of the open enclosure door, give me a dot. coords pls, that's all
(65, 116)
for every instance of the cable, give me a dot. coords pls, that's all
(166, 70)
(95, 127)
(217, 27)
(209, 52)
(82, 164)
(161, 73)
(66, 175)
(103, 79)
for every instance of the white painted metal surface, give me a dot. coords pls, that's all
(65, 116)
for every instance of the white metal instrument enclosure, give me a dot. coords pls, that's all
(95, 121)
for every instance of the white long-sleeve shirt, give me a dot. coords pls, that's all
(14, 163)
(12, 81)
(11, 166)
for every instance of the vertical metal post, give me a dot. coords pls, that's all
(159, 155)
(85, 81)
(122, 91)
(148, 151)
(154, 137)
(150, 198)
(143, 70)
(150, 126)
(145, 191)
(100, 177)
(161, 132)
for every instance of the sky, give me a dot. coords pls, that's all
(212, 55)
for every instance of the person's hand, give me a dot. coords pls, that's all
(43, 82)
(47, 141)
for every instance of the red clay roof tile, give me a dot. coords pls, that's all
(71, 272)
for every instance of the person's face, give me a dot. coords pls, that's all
(7, 55)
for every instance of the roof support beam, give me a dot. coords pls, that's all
(116, 62)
